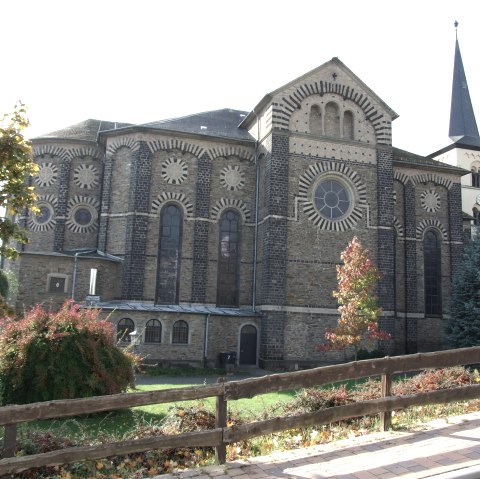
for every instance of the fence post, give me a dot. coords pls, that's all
(10, 440)
(386, 416)
(221, 421)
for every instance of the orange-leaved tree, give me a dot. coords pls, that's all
(358, 305)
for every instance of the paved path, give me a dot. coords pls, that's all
(443, 449)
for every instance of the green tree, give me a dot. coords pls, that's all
(61, 355)
(358, 305)
(463, 326)
(16, 166)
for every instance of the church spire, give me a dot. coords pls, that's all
(463, 126)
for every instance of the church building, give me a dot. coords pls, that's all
(220, 232)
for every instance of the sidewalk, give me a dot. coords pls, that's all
(444, 449)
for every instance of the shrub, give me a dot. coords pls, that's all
(62, 355)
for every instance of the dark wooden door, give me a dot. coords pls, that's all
(248, 345)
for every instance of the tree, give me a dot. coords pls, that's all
(63, 355)
(463, 326)
(358, 305)
(16, 166)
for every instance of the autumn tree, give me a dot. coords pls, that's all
(16, 166)
(358, 305)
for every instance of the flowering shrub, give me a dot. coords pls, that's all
(60, 355)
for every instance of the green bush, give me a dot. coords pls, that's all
(61, 355)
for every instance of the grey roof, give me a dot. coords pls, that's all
(175, 308)
(463, 126)
(414, 160)
(85, 130)
(218, 123)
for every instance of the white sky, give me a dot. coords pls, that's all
(140, 61)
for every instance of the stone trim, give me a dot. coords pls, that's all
(431, 223)
(225, 203)
(433, 177)
(398, 227)
(130, 143)
(401, 177)
(175, 144)
(238, 151)
(168, 196)
(85, 151)
(41, 151)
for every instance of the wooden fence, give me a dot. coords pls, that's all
(222, 435)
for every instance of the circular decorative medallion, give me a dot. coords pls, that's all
(232, 178)
(331, 199)
(45, 218)
(430, 200)
(47, 174)
(174, 171)
(85, 176)
(82, 214)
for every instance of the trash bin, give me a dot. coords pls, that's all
(231, 357)
(227, 359)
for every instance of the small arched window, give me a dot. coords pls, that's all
(476, 217)
(153, 331)
(180, 332)
(348, 125)
(432, 273)
(315, 120)
(475, 177)
(168, 277)
(332, 120)
(124, 327)
(228, 259)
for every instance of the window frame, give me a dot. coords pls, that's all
(432, 273)
(180, 337)
(157, 337)
(123, 337)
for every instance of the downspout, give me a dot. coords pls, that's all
(205, 343)
(255, 235)
(74, 274)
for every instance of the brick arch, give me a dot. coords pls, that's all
(242, 153)
(52, 150)
(433, 177)
(126, 142)
(175, 144)
(431, 223)
(178, 198)
(85, 151)
(398, 227)
(227, 203)
(283, 111)
(401, 177)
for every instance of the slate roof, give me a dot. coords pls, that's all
(85, 130)
(412, 159)
(217, 123)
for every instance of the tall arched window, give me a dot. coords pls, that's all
(432, 273)
(169, 250)
(124, 327)
(332, 120)
(153, 331)
(315, 120)
(475, 176)
(476, 217)
(228, 259)
(180, 332)
(348, 125)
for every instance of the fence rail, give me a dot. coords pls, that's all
(222, 435)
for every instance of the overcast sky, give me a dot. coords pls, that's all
(141, 61)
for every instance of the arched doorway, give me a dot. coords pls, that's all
(248, 345)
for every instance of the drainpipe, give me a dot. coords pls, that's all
(205, 343)
(255, 235)
(74, 275)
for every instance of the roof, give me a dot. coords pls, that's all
(462, 118)
(412, 159)
(217, 123)
(175, 308)
(85, 130)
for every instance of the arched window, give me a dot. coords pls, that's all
(170, 243)
(124, 327)
(315, 120)
(153, 331)
(348, 125)
(476, 217)
(228, 259)
(332, 120)
(475, 177)
(180, 332)
(432, 273)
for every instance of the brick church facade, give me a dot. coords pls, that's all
(221, 231)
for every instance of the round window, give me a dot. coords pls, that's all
(82, 216)
(44, 214)
(332, 199)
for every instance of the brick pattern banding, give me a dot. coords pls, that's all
(455, 227)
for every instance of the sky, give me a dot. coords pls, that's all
(144, 60)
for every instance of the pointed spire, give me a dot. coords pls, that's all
(462, 117)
